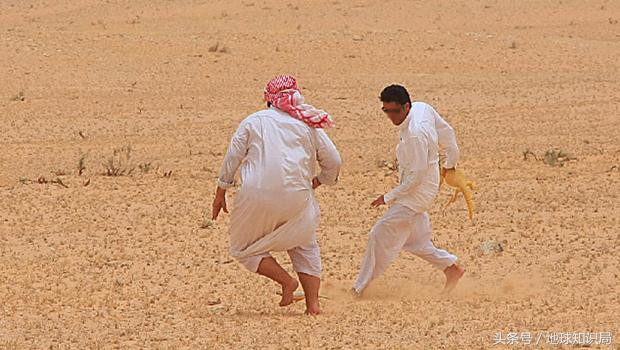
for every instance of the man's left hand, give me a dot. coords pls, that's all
(377, 202)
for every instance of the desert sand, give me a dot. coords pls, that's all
(130, 261)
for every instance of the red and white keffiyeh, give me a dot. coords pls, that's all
(283, 93)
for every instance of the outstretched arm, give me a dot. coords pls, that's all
(237, 150)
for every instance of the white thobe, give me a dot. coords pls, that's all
(275, 208)
(406, 225)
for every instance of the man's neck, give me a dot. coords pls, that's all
(402, 122)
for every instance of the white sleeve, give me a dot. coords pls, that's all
(328, 157)
(415, 167)
(447, 140)
(237, 150)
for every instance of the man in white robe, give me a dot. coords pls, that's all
(275, 209)
(406, 225)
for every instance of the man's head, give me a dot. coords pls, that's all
(396, 103)
(277, 85)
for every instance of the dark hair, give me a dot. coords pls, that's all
(395, 93)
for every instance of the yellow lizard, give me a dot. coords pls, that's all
(456, 179)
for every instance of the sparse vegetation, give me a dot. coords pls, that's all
(556, 157)
(527, 153)
(19, 97)
(219, 48)
(491, 246)
(390, 168)
(206, 221)
(43, 181)
(59, 172)
(119, 164)
(192, 152)
(384, 164)
(145, 167)
(81, 165)
(552, 157)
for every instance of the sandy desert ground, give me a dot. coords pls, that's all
(128, 262)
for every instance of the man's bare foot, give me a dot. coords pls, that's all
(355, 294)
(453, 274)
(287, 292)
(313, 310)
(311, 285)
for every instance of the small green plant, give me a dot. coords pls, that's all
(119, 164)
(552, 157)
(19, 97)
(145, 167)
(556, 157)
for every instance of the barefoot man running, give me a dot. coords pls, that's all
(406, 226)
(275, 210)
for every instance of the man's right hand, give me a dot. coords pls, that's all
(315, 183)
(219, 203)
(443, 170)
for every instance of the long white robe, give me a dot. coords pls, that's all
(275, 208)
(406, 225)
